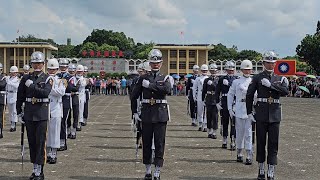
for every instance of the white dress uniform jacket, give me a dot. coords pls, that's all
(237, 92)
(55, 96)
(12, 88)
(82, 82)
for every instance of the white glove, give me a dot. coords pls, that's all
(187, 97)
(28, 82)
(231, 113)
(226, 82)
(145, 83)
(265, 82)
(136, 116)
(20, 118)
(219, 107)
(204, 104)
(250, 116)
(192, 80)
(209, 82)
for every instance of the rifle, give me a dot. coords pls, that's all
(22, 144)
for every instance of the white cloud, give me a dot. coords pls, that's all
(250, 22)
(233, 24)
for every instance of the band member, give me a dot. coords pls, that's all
(34, 90)
(197, 96)
(81, 83)
(209, 99)
(57, 91)
(154, 112)
(268, 109)
(12, 88)
(87, 92)
(222, 90)
(189, 92)
(237, 93)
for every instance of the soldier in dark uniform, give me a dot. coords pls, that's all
(66, 101)
(86, 104)
(269, 88)
(191, 102)
(222, 89)
(136, 108)
(34, 90)
(75, 104)
(154, 112)
(209, 98)
(3, 93)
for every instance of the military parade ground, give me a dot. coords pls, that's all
(105, 148)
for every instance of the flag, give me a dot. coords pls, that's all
(120, 54)
(113, 53)
(106, 53)
(285, 67)
(98, 53)
(91, 53)
(84, 53)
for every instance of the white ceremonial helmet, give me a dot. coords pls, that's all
(53, 64)
(14, 69)
(246, 64)
(229, 65)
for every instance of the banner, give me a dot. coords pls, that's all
(285, 67)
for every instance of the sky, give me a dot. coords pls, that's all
(260, 25)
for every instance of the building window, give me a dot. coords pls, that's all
(131, 62)
(131, 68)
(173, 53)
(21, 64)
(182, 65)
(173, 65)
(191, 64)
(182, 54)
(192, 53)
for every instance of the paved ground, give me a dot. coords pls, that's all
(105, 149)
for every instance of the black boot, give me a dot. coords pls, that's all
(156, 178)
(53, 160)
(41, 177)
(240, 159)
(32, 176)
(224, 146)
(1, 135)
(78, 128)
(148, 177)
(248, 161)
(214, 136)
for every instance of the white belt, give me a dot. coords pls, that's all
(224, 94)
(154, 101)
(269, 100)
(87, 90)
(67, 94)
(75, 93)
(3, 92)
(36, 100)
(210, 92)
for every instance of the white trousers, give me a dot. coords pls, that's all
(12, 112)
(201, 115)
(243, 133)
(82, 101)
(54, 127)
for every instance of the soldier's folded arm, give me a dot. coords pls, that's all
(136, 90)
(250, 93)
(161, 87)
(41, 92)
(281, 87)
(3, 83)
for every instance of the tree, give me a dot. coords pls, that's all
(32, 38)
(309, 50)
(64, 51)
(249, 54)
(221, 52)
(118, 39)
(141, 51)
(89, 46)
(107, 47)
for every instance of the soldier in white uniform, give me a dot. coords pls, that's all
(197, 96)
(12, 88)
(237, 93)
(55, 96)
(81, 82)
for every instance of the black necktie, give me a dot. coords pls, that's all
(154, 75)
